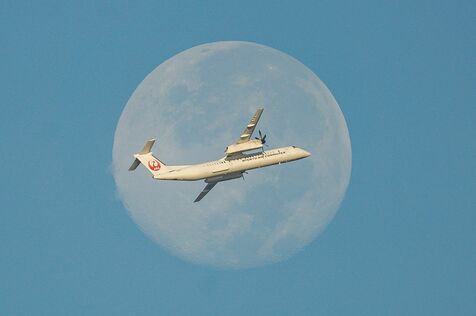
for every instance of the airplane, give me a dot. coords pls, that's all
(243, 155)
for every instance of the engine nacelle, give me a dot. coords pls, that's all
(247, 146)
(224, 177)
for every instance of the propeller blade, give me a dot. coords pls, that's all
(261, 137)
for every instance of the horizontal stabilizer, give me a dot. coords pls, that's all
(134, 165)
(147, 147)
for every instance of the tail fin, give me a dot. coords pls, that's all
(147, 149)
(145, 157)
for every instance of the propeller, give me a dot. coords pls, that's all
(261, 137)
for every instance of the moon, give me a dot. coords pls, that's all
(198, 102)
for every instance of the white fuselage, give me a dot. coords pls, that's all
(228, 168)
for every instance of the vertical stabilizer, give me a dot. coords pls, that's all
(151, 163)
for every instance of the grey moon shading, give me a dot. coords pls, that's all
(198, 102)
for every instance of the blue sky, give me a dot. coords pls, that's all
(404, 240)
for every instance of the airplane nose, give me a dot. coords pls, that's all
(305, 153)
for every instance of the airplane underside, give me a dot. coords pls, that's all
(239, 158)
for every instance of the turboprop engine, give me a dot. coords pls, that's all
(246, 146)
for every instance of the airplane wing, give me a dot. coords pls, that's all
(205, 191)
(245, 136)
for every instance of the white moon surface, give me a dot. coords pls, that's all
(198, 102)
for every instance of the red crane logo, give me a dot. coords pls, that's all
(154, 165)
